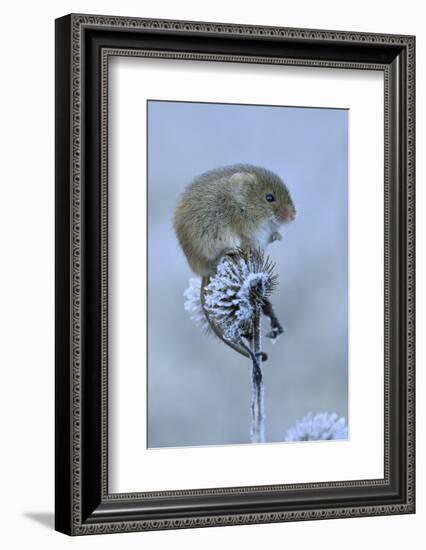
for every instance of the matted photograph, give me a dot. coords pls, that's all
(235, 274)
(247, 274)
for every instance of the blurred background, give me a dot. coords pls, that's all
(199, 390)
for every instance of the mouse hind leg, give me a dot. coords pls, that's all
(276, 327)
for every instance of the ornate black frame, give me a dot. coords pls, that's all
(83, 45)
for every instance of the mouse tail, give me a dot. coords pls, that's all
(238, 347)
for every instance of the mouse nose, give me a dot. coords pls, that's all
(292, 216)
(287, 214)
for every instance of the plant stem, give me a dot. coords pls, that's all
(257, 397)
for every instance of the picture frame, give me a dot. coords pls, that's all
(83, 503)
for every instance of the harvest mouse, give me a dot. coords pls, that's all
(234, 207)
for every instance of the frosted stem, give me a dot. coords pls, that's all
(257, 397)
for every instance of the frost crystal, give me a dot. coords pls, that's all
(320, 426)
(193, 304)
(242, 282)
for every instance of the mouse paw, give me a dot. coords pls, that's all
(275, 236)
(275, 333)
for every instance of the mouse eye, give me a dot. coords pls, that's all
(269, 197)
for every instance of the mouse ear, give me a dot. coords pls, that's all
(240, 181)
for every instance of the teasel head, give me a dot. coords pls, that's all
(243, 281)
